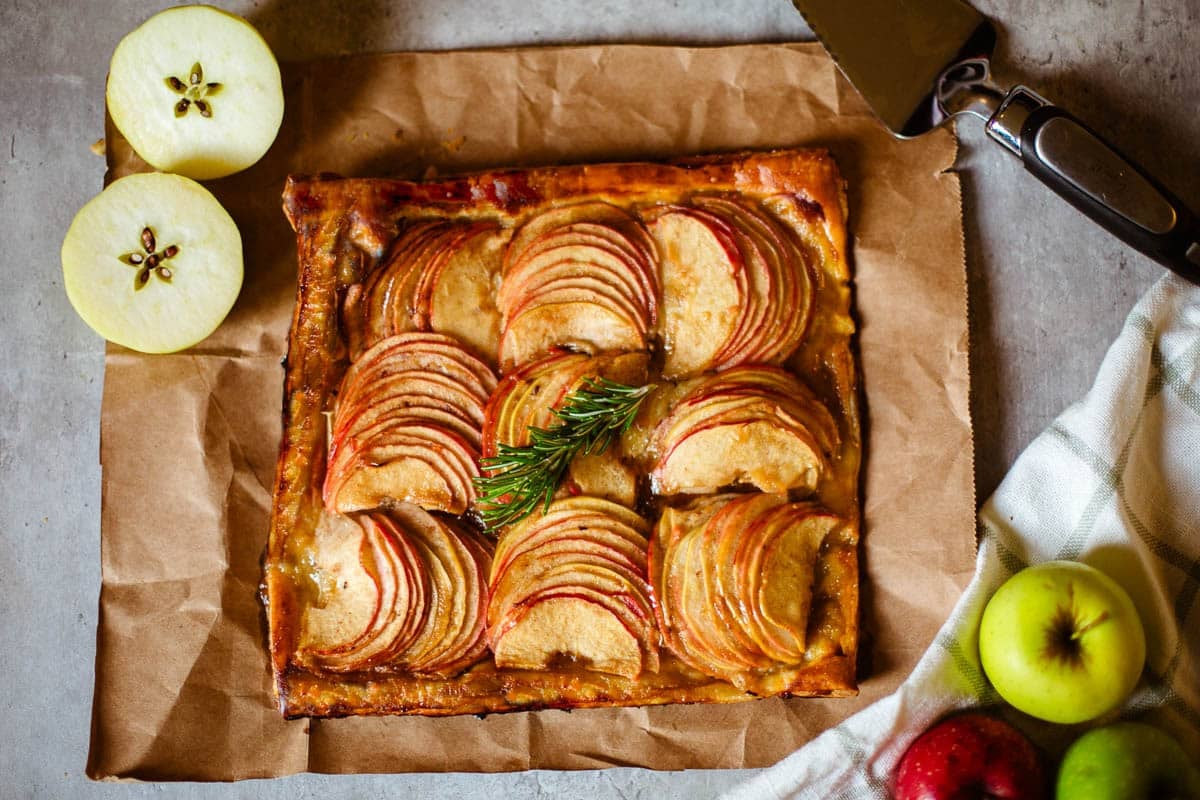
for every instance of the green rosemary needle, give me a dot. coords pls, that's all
(517, 480)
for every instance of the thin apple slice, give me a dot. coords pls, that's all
(390, 289)
(153, 263)
(790, 296)
(781, 590)
(196, 91)
(769, 458)
(428, 467)
(545, 631)
(471, 646)
(566, 256)
(463, 301)
(621, 520)
(348, 589)
(584, 326)
(629, 243)
(581, 547)
(592, 211)
(703, 289)
(734, 580)
(395, 611)
(752, 424)
(726, 610)
(417, 350)
(603, 586)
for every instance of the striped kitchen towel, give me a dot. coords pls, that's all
(1114, 482)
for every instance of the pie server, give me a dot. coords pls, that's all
(919, 62)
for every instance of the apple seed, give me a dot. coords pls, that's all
(195, 92)
(150, 261)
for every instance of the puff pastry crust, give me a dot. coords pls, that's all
(780, 498)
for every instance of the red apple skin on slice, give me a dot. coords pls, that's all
(407, 426)
(578, 325)
(349, 594)
(579, 277)
(527, 398)
(703, 286)
(756, 424)
(462, 303)
(585, 559)
(789, 292)
(743, 620)
(424, 597)
(545, 630)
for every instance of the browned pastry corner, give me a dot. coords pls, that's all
(710, 554)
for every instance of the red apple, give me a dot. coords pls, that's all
(971, 756)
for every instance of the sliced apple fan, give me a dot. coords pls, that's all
(399, 590)
(570, 585)
(407, 426)
(753, 425)
(733, 578)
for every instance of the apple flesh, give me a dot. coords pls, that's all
(153, 263)
(196, 91)
(1062, 641)
(580, 276)
(733, 579)
(1127, 761)
(570, 585)
(756, 425)
(397, 591)
(971, 756)
(407, 426)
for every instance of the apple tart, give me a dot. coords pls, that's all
(568, 437)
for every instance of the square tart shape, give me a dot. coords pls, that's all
(343, 227)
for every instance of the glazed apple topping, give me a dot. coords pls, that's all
(436, 276)
(528, 398)
(569, 586)
(407, 426)
(733, 579)
(397, 591)
(580, 276)
(736, 287)
(755, 425)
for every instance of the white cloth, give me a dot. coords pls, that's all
(1115, 483)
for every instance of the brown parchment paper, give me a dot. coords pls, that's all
(189, 441)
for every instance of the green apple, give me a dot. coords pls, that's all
(1062, 641)
(1127, 761)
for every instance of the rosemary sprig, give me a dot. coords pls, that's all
(519, 479)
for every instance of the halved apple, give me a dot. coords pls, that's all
(196, 91)
(153, 263)
(734, 578)
(584, 561)
(755, 424)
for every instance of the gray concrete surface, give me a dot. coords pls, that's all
(1048, 293)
